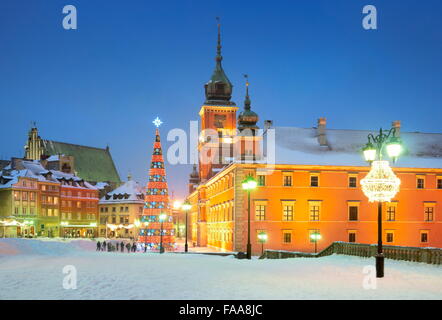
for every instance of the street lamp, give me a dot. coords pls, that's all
(186, 207)
(249, 184)
(381, 184)
(315, 236)
(262, 236)
(162, 217)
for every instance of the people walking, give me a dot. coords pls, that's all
(104, 245)
(118, 246)
(134, 247)
(122, 246)
(98, 246)
(128, 247)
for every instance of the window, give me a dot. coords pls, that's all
(24, 210)
(287, 179)
(424, 236)
(314, 210)
(114, 219)
(353, 213)
(287, 236)
(114, 209)
(121, 219)
(260, 212)
(439, 183)
(32, 196)
(420, 182)
(31, 210)
(352, 236)
(261, 180)
(78, 204)
(16, 210)
(16, 195)
(25, 196)
(126, 209)
(314, 181)
(287, 212)
(352, 181)
(429, 213)
(390, 236)
(391, 213)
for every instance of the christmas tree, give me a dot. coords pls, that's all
(156, 221)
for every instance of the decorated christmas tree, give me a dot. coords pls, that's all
(156, 221)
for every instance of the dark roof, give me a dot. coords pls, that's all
(91, 164)
(4, 163)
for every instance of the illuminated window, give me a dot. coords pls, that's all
(314, 210)
(439, 183)
(287, 212)
(391, 213)
(260, 212)
(16, 195)
(429, 213)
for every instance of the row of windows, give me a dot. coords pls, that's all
(77, 216)
(353, 212)
(24, 210)
(115, 219)
(49, 199)
(352, 181)
(24, 195)
(389, 236)
(121, 209)
(78, 204)
(49, 188)
(77, 194)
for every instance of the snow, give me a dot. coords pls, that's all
(300, 146)
(32, 269)
(132, 188)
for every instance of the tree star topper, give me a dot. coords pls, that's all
(157, 122)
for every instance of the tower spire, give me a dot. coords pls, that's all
(219, 57)
(247, 101)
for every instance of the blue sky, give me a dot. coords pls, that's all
(130, 61)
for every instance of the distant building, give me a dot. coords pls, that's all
(35, 201)
(90, 163)
(120, 210)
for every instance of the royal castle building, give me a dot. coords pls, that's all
(308, 182)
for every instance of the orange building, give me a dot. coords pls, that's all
(308, 182)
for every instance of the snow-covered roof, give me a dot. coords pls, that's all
(300, 146)
(128, 192)
(34, 169)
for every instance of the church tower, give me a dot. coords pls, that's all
(218, 121)
(34, 145)
(248, 140)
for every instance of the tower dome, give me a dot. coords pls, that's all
(247, 119)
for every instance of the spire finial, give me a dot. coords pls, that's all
(218, 48)
(129, 176)
(247, 101)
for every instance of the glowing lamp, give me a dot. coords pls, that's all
(369, 152)
(93, 224)
(177, 204)
(315, 236)
(137, 223)
(380, 184)
(262, 236)
(64, 223)
(249, 183)
(186, 206)
(394, 148)
(162, 217)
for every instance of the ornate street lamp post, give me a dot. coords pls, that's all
(162, 217)
(249, 184)
(381, 184)
(262, 236)
(186, 207)
(315, 237)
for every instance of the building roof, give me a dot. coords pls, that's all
(33, 169)
(300, 146)
(92, 164)
(128, 192)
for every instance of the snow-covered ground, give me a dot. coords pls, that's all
(32, 269)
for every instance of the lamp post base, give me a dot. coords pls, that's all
(161, 250)
(379, 265)
(186, 248)
(249, 251)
